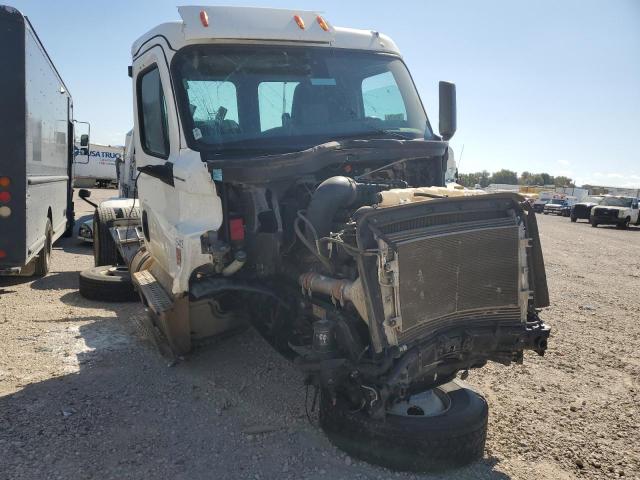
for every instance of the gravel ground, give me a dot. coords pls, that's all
(83, 394)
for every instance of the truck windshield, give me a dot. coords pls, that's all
(557, 202)
(616, 202)
(238, 98)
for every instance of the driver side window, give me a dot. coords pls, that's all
(152, 111)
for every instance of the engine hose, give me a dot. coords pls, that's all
(313, 249)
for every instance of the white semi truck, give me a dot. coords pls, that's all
(126, 175)
(36, 150)
(289, 178)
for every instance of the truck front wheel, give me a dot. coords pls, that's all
(412, 438)
(624, 224)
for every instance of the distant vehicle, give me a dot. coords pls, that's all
(555, 206)
(95, 165)
(538, 205)
(36, 150)
(119, 207)
(618, 211)
(582, 210)
(543, 198)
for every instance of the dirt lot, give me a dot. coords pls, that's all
(83, 394)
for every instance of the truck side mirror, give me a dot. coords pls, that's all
(84, 193)
(448, 121)
(84, 140)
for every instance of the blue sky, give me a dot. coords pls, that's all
(542, 86)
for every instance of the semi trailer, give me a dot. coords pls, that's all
(36, 150)
(95, 165)
(289, 178)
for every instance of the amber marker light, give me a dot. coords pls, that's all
(323, 24)
(299, 21)
(204, 18)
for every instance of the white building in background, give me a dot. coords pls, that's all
(623, 192)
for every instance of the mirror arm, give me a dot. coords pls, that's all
(94, 205)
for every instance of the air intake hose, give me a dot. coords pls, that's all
(330, 196)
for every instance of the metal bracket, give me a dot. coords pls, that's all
(128, 240)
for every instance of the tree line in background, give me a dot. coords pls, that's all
(509, 177)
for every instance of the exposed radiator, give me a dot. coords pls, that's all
(446, 274)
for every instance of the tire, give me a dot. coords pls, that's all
(574, 219)
(140, 261)
(43, 262)
(107, 283)
(545, 213)
(594, 224)
(452, 438)
(105, 251)
(625, 224)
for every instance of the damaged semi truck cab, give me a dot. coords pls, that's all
(290, 178)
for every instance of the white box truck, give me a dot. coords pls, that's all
(290, 178)
(36, 150)
(96, 165)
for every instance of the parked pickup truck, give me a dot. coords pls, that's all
(290, 178)
(582, 210)
(555, 206)
(618, 211)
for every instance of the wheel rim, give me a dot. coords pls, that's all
(424, 404)
(119, 271)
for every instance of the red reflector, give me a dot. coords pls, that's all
(3, 254)
(5, 197)
(236, 227)
(299, 21)
(204, 18)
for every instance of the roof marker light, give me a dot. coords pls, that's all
(323, 24)
(299, 21)
(204, 18)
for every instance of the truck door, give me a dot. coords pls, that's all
(156, 140)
